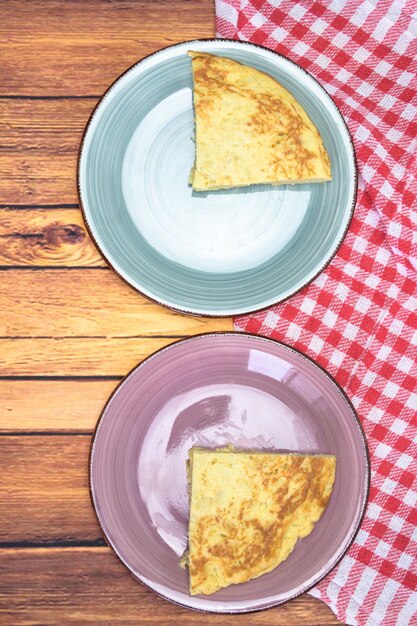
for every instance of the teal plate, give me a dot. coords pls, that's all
(218, 253)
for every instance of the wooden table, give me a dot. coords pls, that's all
(70, 328)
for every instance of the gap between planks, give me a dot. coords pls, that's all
(33, 545)
(61, 97)
(19, 207)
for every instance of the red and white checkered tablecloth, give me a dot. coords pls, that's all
(358, 319)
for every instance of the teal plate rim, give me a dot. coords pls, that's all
(172, 306)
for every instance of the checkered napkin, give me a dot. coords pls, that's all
(358, 318)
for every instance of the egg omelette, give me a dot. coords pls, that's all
(250, 129)
(248, 510)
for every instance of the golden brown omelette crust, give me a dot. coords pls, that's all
(241, 111)
(220, 538)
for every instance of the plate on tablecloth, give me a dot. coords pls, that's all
(214, 390)
(216, 253)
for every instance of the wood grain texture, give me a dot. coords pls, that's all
(85, 356)
(50, 47)
(52, 405)
(88, 302)
(46, 238)
(39, 149)
(74, 586)
(48, 498)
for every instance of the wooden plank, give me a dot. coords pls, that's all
(43, 237)
(75, 356)
(50, 48)
(54, 126)
(72, 586)
(28, 178)
(39, 149)
(44, 492)
(52, 405)
(88, 302)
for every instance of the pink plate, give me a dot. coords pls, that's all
(212, 390)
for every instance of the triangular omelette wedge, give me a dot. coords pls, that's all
(248, 510)
(250, 129)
